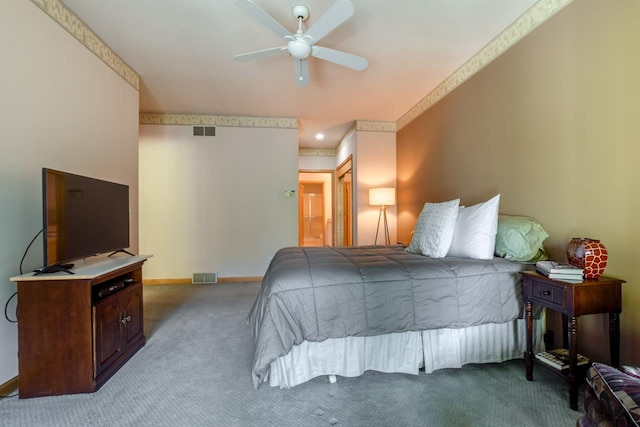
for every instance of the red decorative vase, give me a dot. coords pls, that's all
(588, 254)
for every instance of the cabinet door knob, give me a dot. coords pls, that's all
(546, 293)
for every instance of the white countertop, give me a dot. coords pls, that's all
(86, 268)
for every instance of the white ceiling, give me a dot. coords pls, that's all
(183, 51)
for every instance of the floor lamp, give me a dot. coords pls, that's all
(382, 197)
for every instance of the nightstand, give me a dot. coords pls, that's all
(602, 295)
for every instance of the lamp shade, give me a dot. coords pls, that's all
(382, 196)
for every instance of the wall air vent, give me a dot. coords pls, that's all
(204, 131)
(200, 278)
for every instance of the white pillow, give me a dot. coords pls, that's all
(475, 232)
(434, 229)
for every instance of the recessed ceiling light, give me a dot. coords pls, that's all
(319, 136)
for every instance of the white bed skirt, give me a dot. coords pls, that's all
(404, 352)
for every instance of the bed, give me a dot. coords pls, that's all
(344, 310)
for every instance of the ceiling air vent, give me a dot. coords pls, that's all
(204, 131)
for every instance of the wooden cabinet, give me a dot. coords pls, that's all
(75, 331)
(118, 323)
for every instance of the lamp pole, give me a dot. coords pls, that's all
(383, 213)
(382, 197)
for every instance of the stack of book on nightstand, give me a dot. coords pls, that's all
(558, 271)
(559, 358)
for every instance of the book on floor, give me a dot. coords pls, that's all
(559, 358)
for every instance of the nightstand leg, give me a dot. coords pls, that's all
(565, 331)
(528, 355)
(572, 326)
(614, 339)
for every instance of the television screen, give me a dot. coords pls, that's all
(82, 216)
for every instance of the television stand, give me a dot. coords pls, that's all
(57, 268)
(76, 331)
(121, 250)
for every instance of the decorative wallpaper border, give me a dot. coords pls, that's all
(212, 120)
(78, 29)
(375, 126)
(532, 18)
(316, 152)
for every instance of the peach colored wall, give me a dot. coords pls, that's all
(62, 108)
(552, 125)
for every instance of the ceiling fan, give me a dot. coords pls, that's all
(302, 44)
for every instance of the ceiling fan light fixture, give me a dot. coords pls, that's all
(299, 49)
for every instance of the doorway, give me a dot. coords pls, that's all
(315, 208)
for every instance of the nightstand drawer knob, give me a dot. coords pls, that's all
(546, 293)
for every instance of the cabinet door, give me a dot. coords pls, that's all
(132, 312)
(108, 332)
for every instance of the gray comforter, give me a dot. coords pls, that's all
(315, 293)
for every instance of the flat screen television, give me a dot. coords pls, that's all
(82, 217)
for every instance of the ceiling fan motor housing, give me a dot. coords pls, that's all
(300, 11)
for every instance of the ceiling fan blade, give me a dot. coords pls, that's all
(302, 72)
(332, 19)
(341, 58)
(254, 10)
(246, 57)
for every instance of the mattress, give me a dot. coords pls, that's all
(318, 293)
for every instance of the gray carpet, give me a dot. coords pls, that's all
(194, 371)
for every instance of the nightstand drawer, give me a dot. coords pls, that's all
(548, 293)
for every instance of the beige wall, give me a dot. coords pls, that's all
(553, 126)
(376, 162)
(63, 108)
(216, 204)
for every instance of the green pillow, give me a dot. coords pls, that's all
(520, 238)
